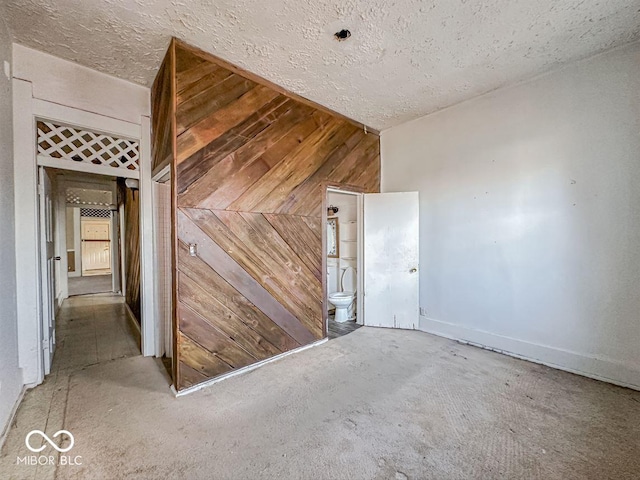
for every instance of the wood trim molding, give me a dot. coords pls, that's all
(73, 117)
(175, 361)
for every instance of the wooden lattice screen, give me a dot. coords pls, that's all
(83, 146)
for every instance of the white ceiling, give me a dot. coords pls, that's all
(406, 58)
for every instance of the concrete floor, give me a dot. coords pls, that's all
(89, 284)
(93, 329)
(374, 404)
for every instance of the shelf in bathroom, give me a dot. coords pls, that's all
(348, 258)
(349, 241)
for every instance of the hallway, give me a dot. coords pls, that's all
(91, 330)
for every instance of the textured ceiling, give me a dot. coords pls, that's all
(406, 58)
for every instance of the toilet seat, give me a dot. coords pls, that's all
(351, 283)
(337, 295)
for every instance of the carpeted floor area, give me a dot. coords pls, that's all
(89, 284)
(374, 404)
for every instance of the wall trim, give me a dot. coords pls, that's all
(596, 367)
(133, 320)
(96, 122)
(243, 370)
(46, 161)
(14, 411)
(149, 320)
(28, 305)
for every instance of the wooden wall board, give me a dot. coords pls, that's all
(162, 99)
(233, 300)
(131, 238)
(250, 167)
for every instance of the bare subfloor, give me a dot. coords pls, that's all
(374, 404)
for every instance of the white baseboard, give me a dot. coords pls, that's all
(134, 324)
(12, 415)
(597, 367)
(246, 369)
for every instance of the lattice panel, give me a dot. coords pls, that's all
(95, 212)
(82, 146)
(83, 196)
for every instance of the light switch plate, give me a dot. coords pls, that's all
(7, 69)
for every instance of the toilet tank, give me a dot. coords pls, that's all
(333, 278)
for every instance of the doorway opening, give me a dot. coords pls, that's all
(90, 245)
(90, 257)
(92, 233)
(378, 247)
(343, 260)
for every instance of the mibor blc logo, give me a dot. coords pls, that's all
(49, 459)
(45, 437)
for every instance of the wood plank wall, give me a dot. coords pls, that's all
(251, 167)
(131, 239)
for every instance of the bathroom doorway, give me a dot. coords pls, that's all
(370, 242)
(343, 261)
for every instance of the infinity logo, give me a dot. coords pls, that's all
(51, 442)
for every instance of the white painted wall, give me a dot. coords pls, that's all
(10, 373)
(530, 216)
(67, 83)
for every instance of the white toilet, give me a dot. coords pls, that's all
(343, 301)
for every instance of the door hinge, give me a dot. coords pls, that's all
(45, 344)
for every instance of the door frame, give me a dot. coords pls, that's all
(27, 110)
(359, 193)
(47, 232)
(88, 182)
(106, 220)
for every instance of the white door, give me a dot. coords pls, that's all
(47, 265)
(391, 260)
(96, 246)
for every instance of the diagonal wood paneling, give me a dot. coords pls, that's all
(131, 203)
(302, 237)
(252, 163)
(198, 230)
(230, 297)
(200, 162)
(162, 106)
